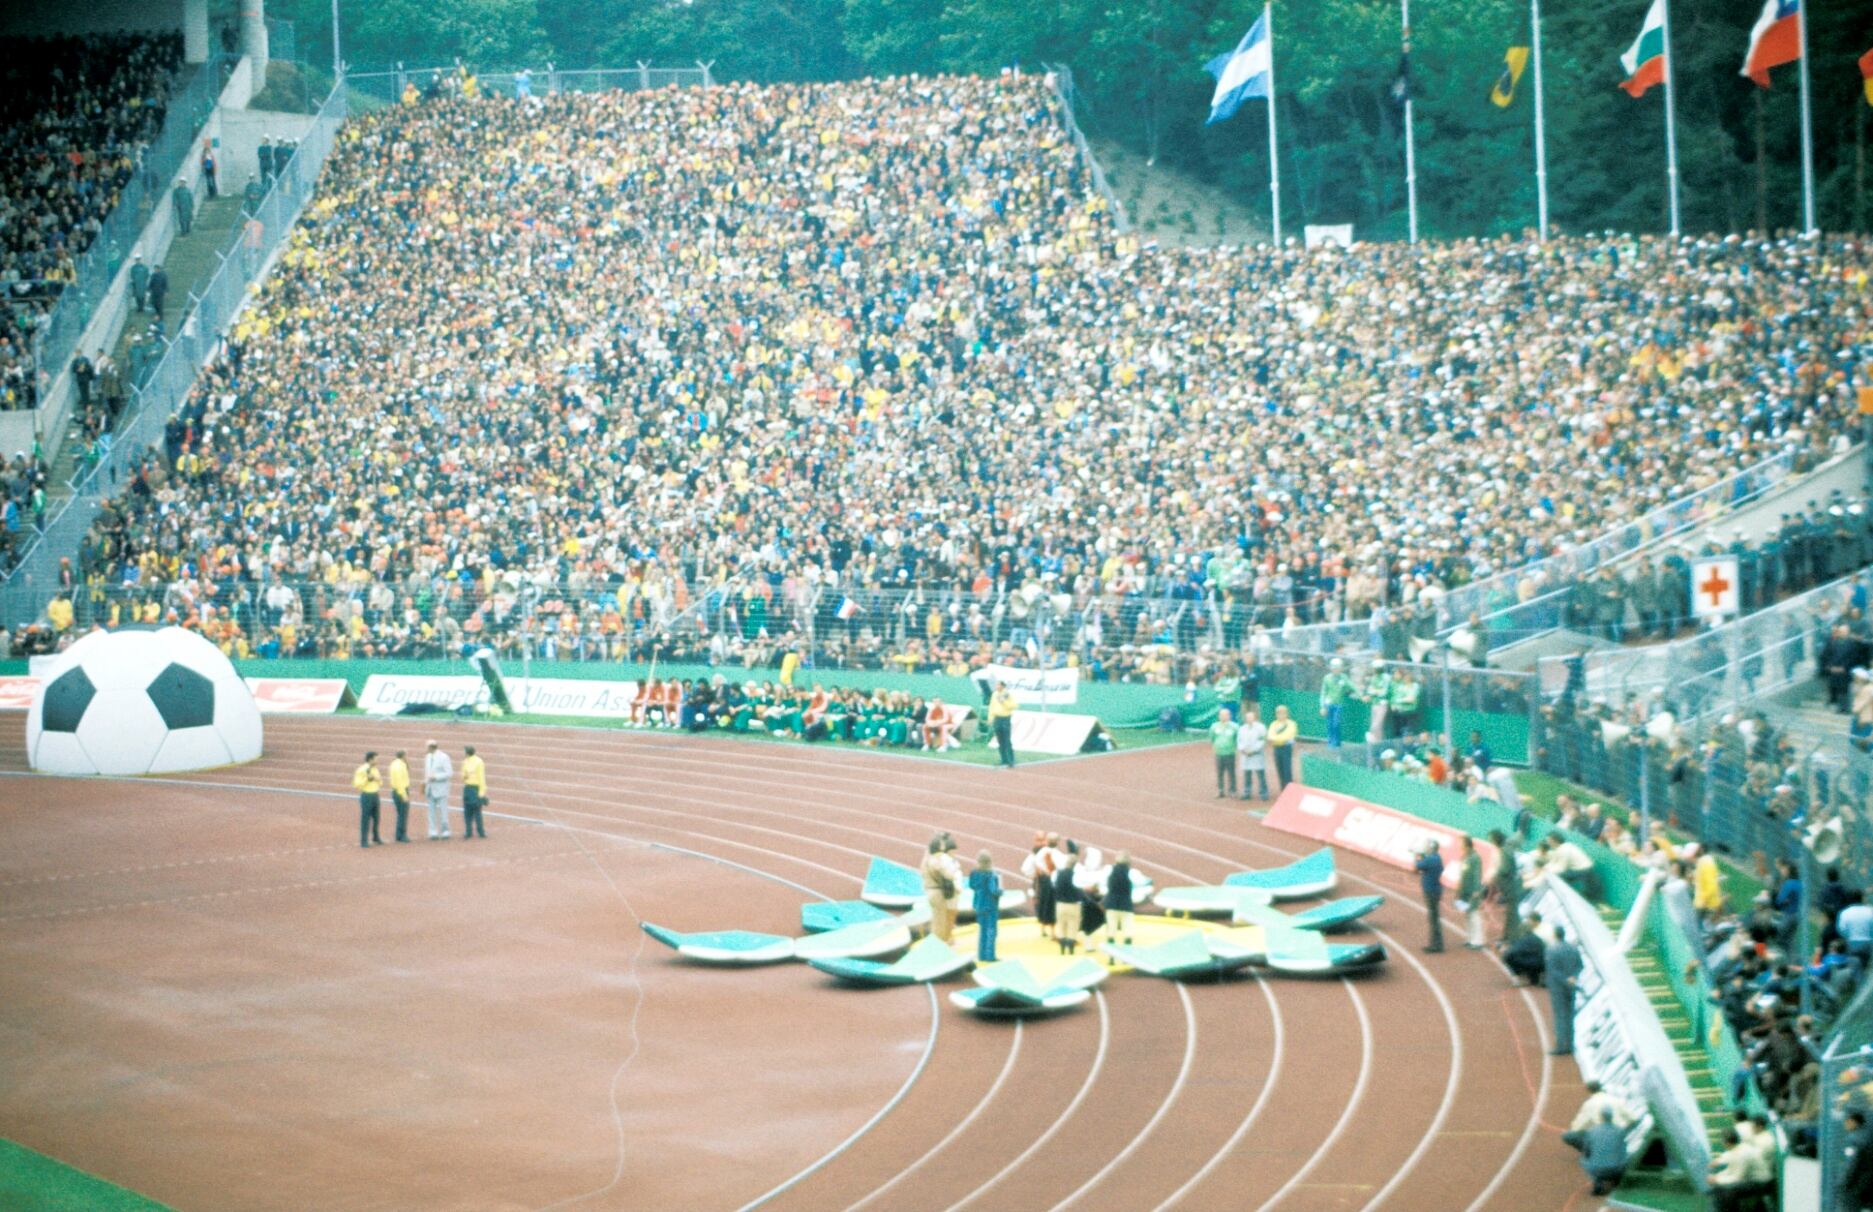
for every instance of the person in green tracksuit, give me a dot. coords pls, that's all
(1335, 689)
(1223, 747)
(897, 722)
(737, 708)
(1402, 703)
(1507, 882)
(1470, 893)
(1378, 700)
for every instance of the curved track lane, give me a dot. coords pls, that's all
(1282, 1095)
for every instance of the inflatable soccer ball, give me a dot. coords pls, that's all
(141, 701)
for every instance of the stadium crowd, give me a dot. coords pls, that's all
(75, 113)
(872, 358)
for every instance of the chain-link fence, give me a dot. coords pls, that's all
(56, 340)
(282, 41)
(1719, 670)
(1366, 706)
(393, 85)
(1060, 80)
(1846, 1086)
(1738, 784)
(1688, 512)
(1152, 629)
(112, 461)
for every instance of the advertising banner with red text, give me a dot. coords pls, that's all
(1385, 834)
(298, 696)
(16, 693)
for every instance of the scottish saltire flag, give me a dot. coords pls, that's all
(1242, 73)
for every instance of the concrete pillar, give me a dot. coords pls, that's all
(195, 31)
(254, 38)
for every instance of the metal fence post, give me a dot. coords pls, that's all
(1645, 791)
(1449, 735)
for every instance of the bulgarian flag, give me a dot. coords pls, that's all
(1644, 60)
(1775, 40)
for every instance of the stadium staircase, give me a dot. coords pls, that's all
(192, 260)
(1648, 965)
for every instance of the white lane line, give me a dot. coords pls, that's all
(1170, 1097)
(1352, 1104)
(922, 1063)
(635, 919)
(1092, 1075)
(220, 858)
(935, 1016)
(845, 768)
(400, 873)
(1261, 1100)
(1450, 1085)
(1534, 1114)
(1014, 1051)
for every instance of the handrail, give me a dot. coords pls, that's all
(1060, 81)
(30, 584)
(96, 269)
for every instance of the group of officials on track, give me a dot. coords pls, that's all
(438, 772)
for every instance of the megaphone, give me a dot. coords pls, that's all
(1662, 727)
(1612, 733)
(1463, 642)
(1421, 648)
(1823, 841)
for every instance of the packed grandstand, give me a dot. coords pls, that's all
(75, 113)
(873, 358)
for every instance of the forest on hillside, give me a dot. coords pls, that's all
(1139, 70)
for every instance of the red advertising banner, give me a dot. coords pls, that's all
(16, 693)
(297, 696)
(1382, 833)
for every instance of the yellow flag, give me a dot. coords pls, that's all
(1503, 94)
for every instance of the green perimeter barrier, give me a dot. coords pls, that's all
(1619, 877)
(1506, 735)
(30, 1179)
(1117, 704)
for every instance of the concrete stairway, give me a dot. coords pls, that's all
(192, 261)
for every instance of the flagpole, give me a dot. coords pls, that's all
(1671, 121)
(1807, 133)
(1274, 156)
(1541, 131)
(1411, 158)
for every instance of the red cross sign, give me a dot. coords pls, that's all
(1714, 587)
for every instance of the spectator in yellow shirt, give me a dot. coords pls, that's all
(400, 794)
(1281, 733)
(59, 613)
(474, 794)
(368, 782)
(1002, 721)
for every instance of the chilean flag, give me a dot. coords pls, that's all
(1775, 40)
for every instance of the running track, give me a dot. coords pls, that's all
(627, 1081)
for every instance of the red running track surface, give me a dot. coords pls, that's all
(209, 993)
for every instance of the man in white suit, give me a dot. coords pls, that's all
(437, 771)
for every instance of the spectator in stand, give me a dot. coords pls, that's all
(1738, 1173)
(75, 115)
(183, 199)
(739, 320)
(1223, 749)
